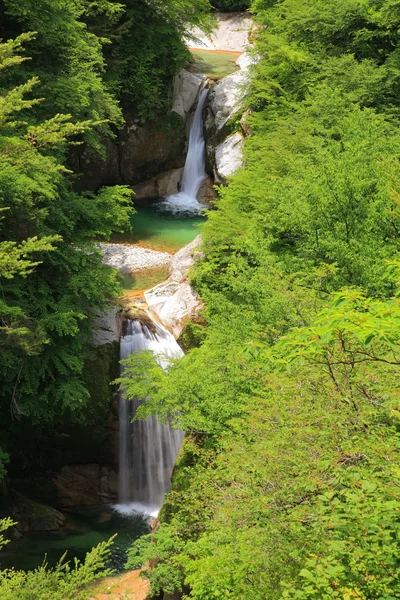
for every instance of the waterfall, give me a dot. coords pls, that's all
(148, 449)
(194, 172)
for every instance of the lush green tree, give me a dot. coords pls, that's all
(288, 482)
(64, 582)
(52, 278)
(231, 5)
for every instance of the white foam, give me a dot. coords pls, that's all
(134, 508)
(182, 204)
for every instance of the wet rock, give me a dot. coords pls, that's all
(108, 327)
(207, 193)
(173, 303)
(132, 258)
(135, 313)
(185, 92)
(164, 184)
(228, 157)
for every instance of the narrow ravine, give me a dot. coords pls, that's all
(154, 262)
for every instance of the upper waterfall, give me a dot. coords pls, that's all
(194, 172)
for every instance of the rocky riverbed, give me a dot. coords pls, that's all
(127, 258)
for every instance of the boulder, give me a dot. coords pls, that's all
(175, 301)
(225, 100)
(108, 327)
(247, 59)
(207, 193)
(33, 516)
(231, 33)
(228, 157)
(185, 92)
(164, 184)
(86, 485)
(184, 259)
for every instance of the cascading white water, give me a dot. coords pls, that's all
(194, 172)
(148, 449)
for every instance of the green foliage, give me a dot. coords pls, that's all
(64, 582)
(52, 279)
(288, 482)
(231, 5)
(147, 51)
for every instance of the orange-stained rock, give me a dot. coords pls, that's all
(128, 586)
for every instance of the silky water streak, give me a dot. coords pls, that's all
(195, 167)
(148, 449)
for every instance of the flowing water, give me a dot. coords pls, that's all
(195, 167)
(148, 449)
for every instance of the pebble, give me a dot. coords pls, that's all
(132, 258)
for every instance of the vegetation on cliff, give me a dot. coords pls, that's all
(288, 485)
(66, 67)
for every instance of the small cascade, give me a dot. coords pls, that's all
(194, 172)
(148, 449)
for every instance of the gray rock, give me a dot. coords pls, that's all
(184, 259)
(228, 157)
(108, 327)
(185, 92)
(137, 153)
(175, 301)
(226, 99)
(247, 59)
(231, 33)
(86, 485)
(33, 516)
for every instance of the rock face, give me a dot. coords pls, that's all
(85, 485)
(186, 90)
(225, 100)
(228, 157)
(137, 153)
(184, 259)
(164, 184)
(32, 516)
(132, 258)
(108, 327)
(174, 301)
(206, 193)
(232, 33)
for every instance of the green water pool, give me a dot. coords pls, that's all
(82, 532)
(160, 230)
(214, 63)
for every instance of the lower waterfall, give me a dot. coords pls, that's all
(148, 449)
(195, 167)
